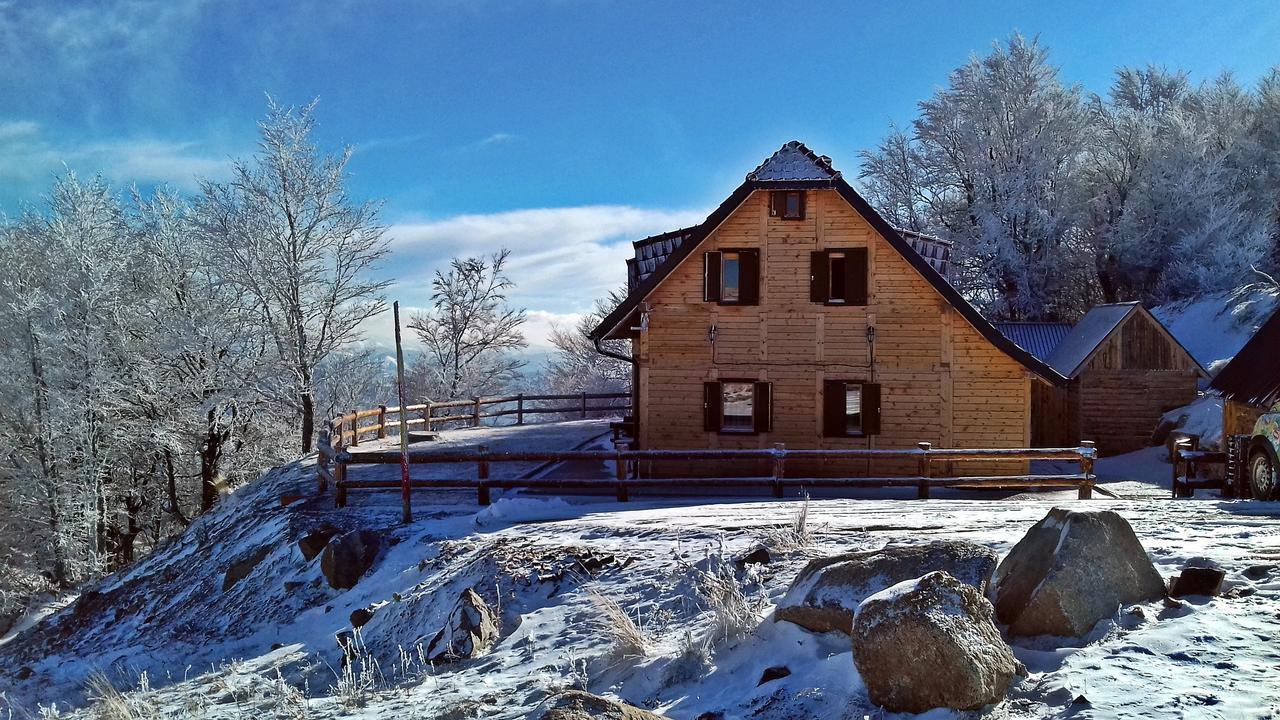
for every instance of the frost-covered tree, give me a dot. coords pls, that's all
(295, 243)
(469, 332)
(990, 165)
(577, 366)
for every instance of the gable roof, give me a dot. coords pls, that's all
(1038, 338)
(795, 166)
(1253, 375)
(1070, 356)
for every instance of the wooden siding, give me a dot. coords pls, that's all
(1239, 418)
(942, 381)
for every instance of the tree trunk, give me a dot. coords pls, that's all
(210, 454)
(308, 420)
(171, 476)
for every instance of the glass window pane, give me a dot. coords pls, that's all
(738, 399)
(793, 205)
(729, 277)
(837, 274)
(853, 408)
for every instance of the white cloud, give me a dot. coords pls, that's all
(500, 138)
(562, 259)
(29, 158)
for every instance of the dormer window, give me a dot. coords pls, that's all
(787, 204)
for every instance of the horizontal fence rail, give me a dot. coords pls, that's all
(623, 459)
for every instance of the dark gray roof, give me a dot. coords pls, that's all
(935, 250)
(794, 162)
(1253, 375)
(1038, 338)
(651, 253)
(1087, 335)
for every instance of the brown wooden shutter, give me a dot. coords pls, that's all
(749, 277)
(819, 282)
(803, 196)
(833, 410)
(711, 277)
(856, 281)
(711, 401)
(762, 407)
(871, 409)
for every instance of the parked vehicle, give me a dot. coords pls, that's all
(1264, 455)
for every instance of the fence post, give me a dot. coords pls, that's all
(520, 409)
(1177, 463)
(475, 413)
(779, 467)
(382, 422)
(482, 473)
(620, 471)
(922, 490)
(584, 404)
(355, 428)
(1086, 468)
(322, 461)
(339, 484)
(426, 417)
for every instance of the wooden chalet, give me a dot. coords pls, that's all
(796, 314)
(1126, 370)
(1250, 382)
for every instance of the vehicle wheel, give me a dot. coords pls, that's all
(1262, 476)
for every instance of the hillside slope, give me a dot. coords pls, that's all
(267, 644)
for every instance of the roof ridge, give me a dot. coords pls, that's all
(820, 162)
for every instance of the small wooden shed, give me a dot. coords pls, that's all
(1126, 370)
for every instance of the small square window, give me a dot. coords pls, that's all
(787, 204)
(738, 400)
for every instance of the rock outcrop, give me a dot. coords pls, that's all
(827, 592)
(348, 557)
(469, 631)
(240, 569)
(931, 643)
(1071, 570)
(314, 542)
(578, 705)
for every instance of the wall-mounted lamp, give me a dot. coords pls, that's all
(871, 334)
(711, 334)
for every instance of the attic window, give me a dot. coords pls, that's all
(787, 204)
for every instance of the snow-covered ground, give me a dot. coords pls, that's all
(267, 646)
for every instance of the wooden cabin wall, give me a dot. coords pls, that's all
(942, 382)
(1137, 375)
(1055, 415)
(1239, 418)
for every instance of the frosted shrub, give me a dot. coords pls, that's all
(797, 535)
(627, 637)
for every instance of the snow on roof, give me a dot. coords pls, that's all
(794, 162)
(1253, 375)
(1038, 338)
(1092, 329)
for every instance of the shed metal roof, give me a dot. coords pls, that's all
(1087, 335)
(1253, 375)
(1038, 338)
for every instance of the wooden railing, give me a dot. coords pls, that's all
(348, 430)
(924, 455)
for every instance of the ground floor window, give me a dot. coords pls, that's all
(851, 408)
(737, 406)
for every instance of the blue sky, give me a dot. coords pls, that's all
(560, 129)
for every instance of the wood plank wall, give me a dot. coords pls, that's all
(942, 382)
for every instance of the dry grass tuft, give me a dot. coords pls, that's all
(625, 633)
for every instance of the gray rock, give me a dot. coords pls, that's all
(469, 631)
(361, 617)
(242, 567)
(827, 592)
(931, 643)
(1197, 581)
(348, 557)
(578, 705)
(1071, 570)
(313, 543)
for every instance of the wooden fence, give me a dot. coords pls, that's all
(925, 456)
(348, 430)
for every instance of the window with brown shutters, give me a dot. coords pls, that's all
(787, 204)
(737, 406)
(731, 277)
(838, 277)
(850, 408)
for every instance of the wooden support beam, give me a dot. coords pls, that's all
(779, 467)
(922, 491)
(482, 473)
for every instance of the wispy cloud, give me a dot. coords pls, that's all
(29, 159)
(500, 138)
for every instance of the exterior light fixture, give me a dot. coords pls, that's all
(711, 334)
(871, 334)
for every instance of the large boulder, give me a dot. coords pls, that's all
(470, 630)
(348, 557)
(578, 705)
(930, 643)
(827, 592)
(1072, 569)
(314, 542)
